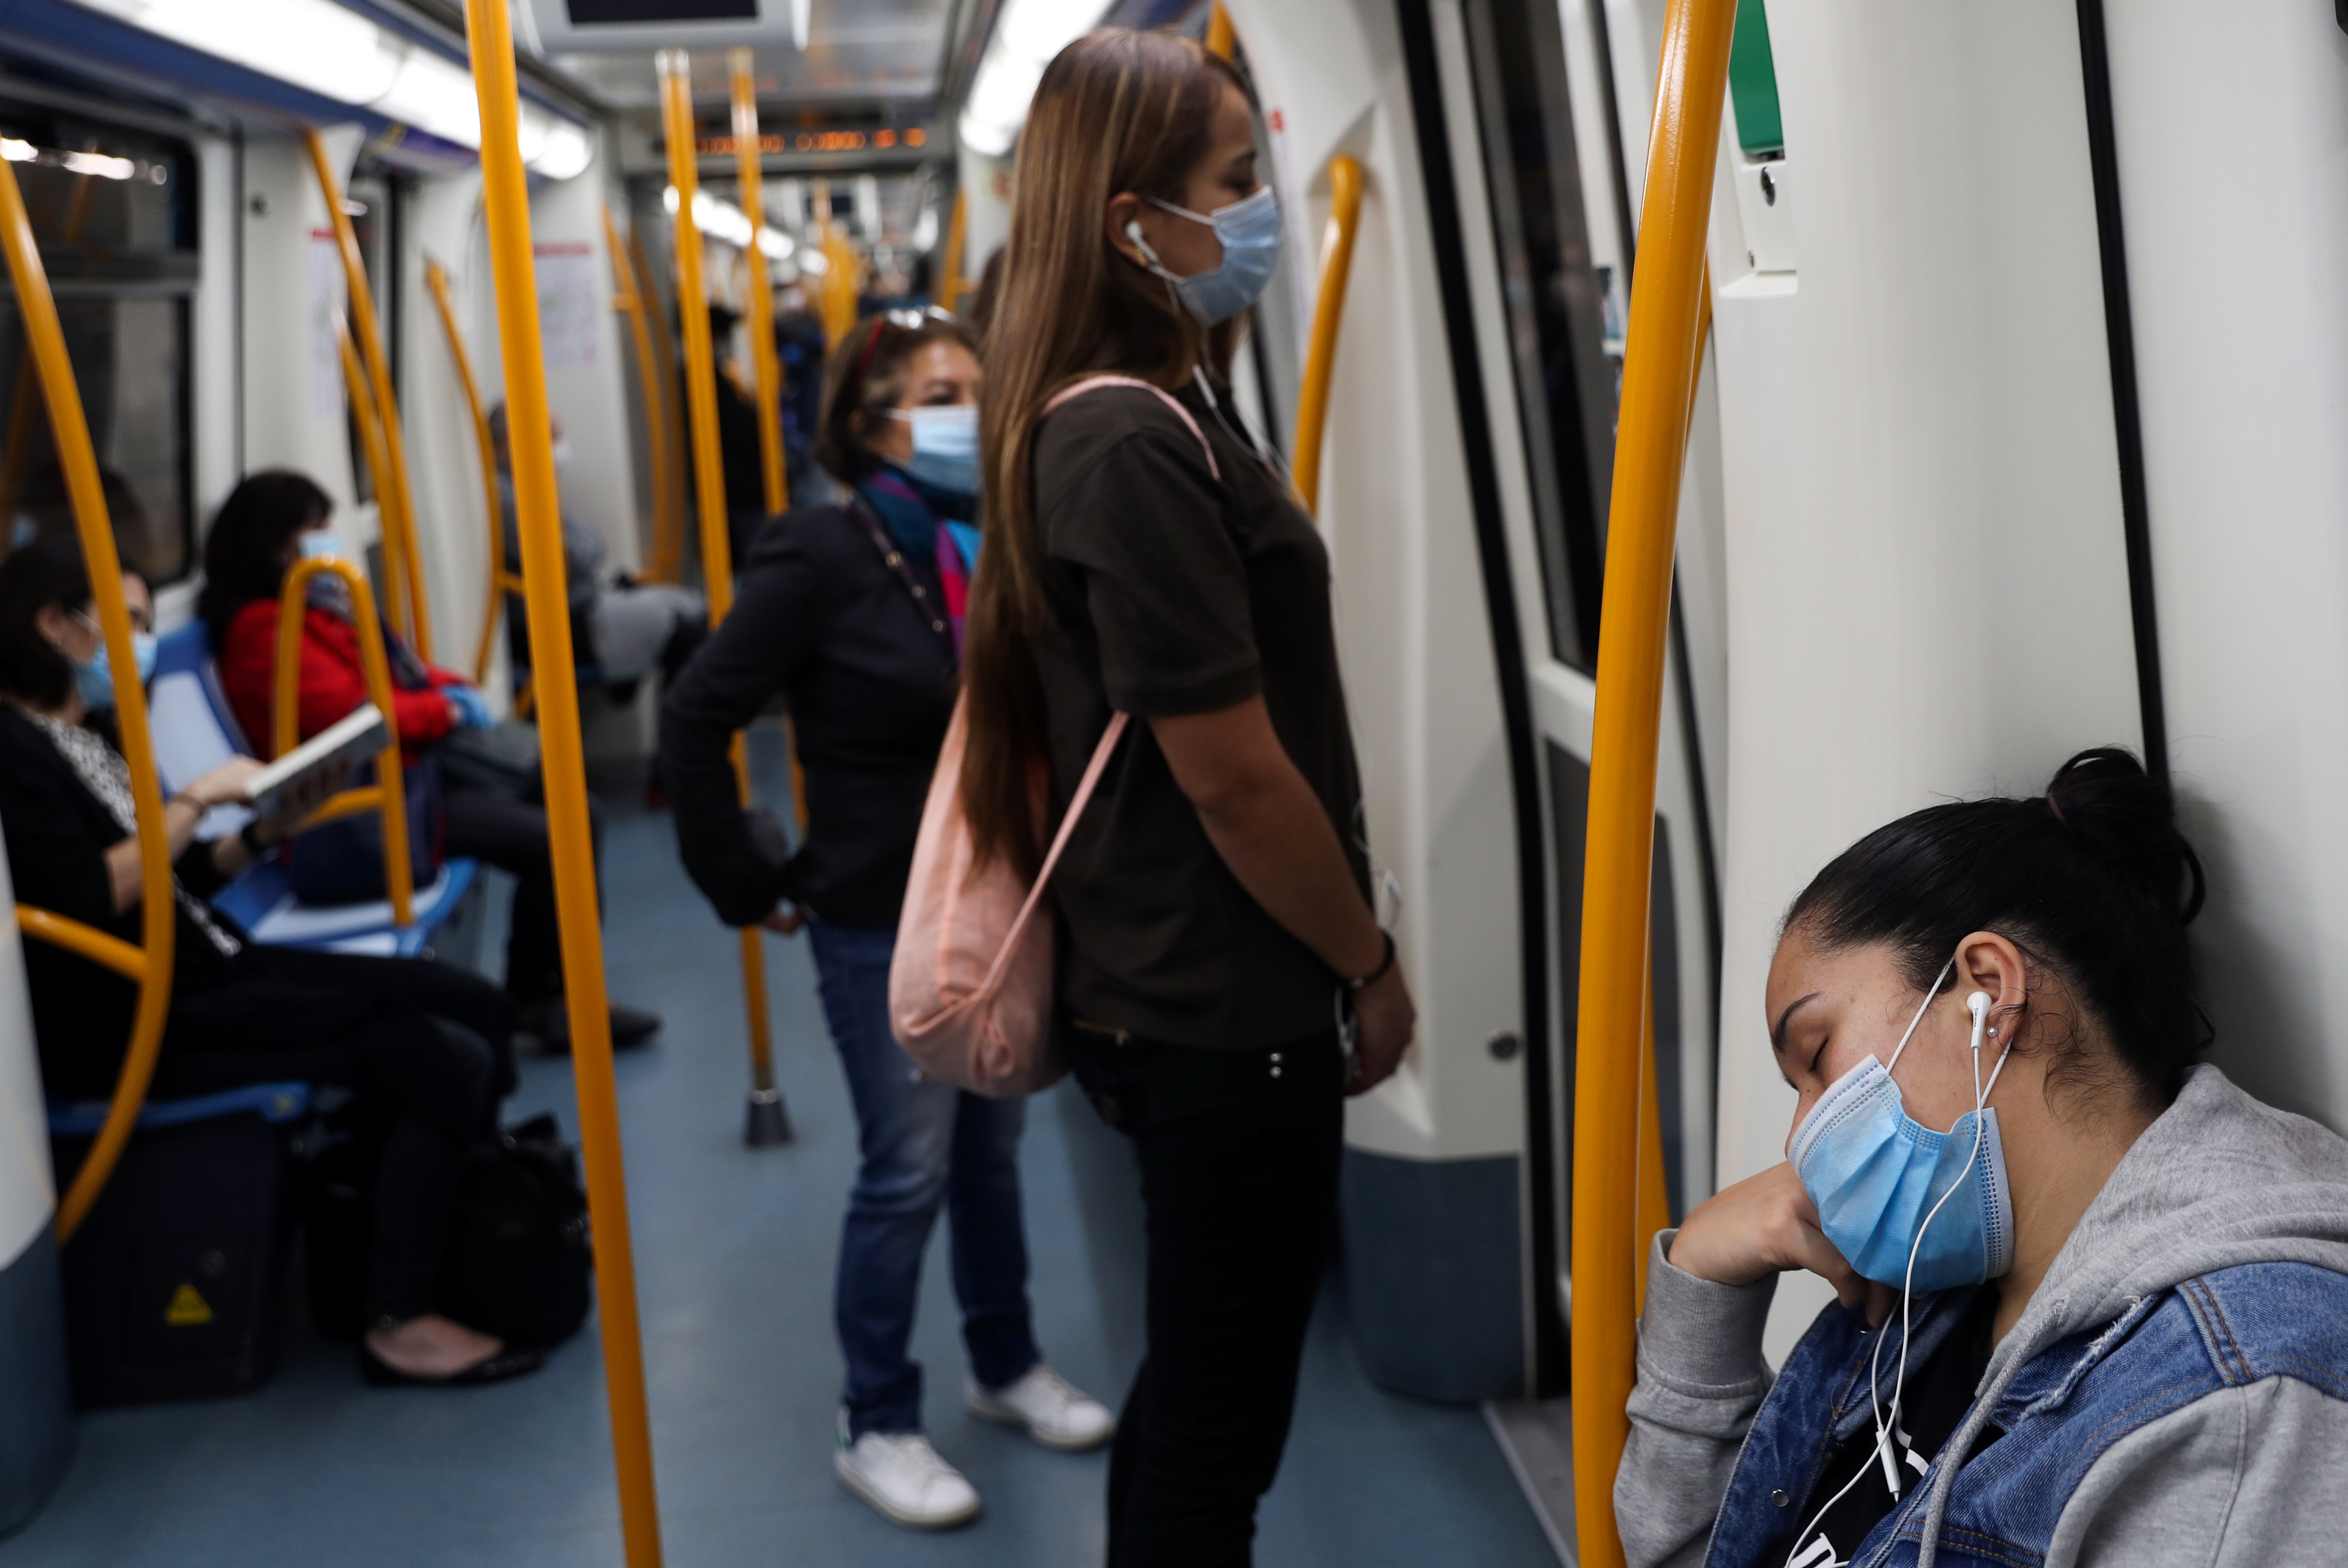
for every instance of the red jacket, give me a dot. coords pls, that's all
(333, 680)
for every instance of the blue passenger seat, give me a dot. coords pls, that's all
(195, 731)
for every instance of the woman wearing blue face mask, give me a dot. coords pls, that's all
(2093, 1298)
(854, 612)
(1223, 972)
(425, 1048)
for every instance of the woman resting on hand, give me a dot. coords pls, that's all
(2094, 1298)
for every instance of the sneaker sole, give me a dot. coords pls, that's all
(856, 1483)
(1004, 1416)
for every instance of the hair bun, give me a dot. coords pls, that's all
(2127, 818)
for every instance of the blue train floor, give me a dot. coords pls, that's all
(734, 1250)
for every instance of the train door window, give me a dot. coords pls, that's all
(1555, 301)
(114, 214)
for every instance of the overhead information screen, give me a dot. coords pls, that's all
(602, 12)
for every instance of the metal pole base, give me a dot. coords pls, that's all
(769, 1124)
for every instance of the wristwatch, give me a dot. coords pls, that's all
(1374, 976)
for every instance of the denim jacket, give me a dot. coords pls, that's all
(2176, 1392)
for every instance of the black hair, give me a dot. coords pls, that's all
(46, 572)
(866, 375)
(244, 554)
(2092, 879)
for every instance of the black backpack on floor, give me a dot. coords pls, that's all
(519, 1262)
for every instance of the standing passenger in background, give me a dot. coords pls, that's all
(1214, 897)
(855, 612)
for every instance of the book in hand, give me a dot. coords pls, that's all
(355, 737)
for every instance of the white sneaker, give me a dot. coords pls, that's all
(901, 1475)
(1052, 1410)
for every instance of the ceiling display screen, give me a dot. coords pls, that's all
(595, 13)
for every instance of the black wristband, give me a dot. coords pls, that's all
(1374, 976)
(250, 838)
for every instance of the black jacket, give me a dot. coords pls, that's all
(57, 834)
(820, 617)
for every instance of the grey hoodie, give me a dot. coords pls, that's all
(2251, 1474)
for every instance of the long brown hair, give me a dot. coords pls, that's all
(1116, 111)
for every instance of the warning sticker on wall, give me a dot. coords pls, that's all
(188, 1309)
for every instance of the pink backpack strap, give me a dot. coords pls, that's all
(1093, 383)
(1093, 772)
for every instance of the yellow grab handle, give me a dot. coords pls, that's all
(950, 269)
(70, 431)
(392, 496)
(505, 193)
(497, 582)
(389, 794)
(1222, 38)
(759, 303)
(1650, 448)
(637, 301)
(88, 941)
(1328, 311)
(668, 539)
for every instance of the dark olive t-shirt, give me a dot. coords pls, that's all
(1174, 591)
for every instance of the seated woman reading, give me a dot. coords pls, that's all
(2094, 1298)
(425, 1049)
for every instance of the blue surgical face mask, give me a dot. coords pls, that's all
(1250, 231)
(318, 542)
(945, 445)
(1907, 1206)
(94, 676)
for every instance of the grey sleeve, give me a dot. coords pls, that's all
(1701, 1379)
(2251, 1475)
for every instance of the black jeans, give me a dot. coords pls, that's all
(511, 835)
(1239, 1152)
(426, 1047)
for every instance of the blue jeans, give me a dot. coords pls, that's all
(921, 1142)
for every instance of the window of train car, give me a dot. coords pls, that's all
(113, 211)
(1556, 304)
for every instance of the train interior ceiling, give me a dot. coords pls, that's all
(2012, 434)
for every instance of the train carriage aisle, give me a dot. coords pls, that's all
(734, 1248)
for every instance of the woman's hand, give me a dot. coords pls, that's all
(784, 918)
(224, 785)
(1384, 1018)
(1767, 1225)
(467, 708)
(294, 807)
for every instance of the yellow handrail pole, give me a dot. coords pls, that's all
(396, 578)
(949, 276)
(528, 438)
(498, 579)
(636, 302)
(1222, 38)
(1328, 311)
(668, 537)
(759, 302)
(1650, 450)
(388, 793)
(397, 510)
(21, 405)
(69, 429)
(709, 488)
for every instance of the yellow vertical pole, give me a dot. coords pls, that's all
(668, 540)
(767, 1122)
(529, 434)
(45, 345)
(499, 580)
(1328, 311)
(635, 299)
(392, 500)
(759, 301)
(1222, 38)
(950, 266)
(398, 580)
(1650, 450)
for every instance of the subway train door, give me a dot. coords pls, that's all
(1558, 94)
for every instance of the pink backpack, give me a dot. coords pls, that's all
(970, 988)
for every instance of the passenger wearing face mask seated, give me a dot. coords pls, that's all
(2094, 1298)
(855, 612)
(623, 627)
(271, 521)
